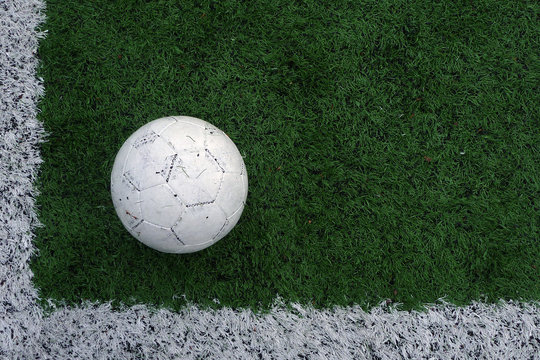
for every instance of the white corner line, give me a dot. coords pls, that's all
(94, 331)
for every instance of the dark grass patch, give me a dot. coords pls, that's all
(392, 149)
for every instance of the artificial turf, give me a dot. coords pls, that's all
(392, 147)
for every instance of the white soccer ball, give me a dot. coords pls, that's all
(179, 184)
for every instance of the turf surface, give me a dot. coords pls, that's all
(392, 148)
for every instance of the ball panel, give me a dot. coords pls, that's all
(234, 218)
(143, 177)
(225, 153)
(187, 249)
(211, 131)
(157, 237)
(233, 193)
(244, 178)
(126, 203)
(184, 136)
(157, 126)
(141, 172)
(144, 138)
(161, 206)
(191, 120)
(120, 162)
(200, 224)
(195, 179)
(156, 151)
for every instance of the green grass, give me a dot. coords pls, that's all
(392, 147)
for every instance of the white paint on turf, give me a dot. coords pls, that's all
(506, 331)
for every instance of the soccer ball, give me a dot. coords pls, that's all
(179, 184)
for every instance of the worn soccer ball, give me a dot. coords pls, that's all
(179, 184)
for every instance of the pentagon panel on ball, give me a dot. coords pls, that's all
(179, 184)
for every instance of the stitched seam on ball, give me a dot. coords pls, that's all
(188, 122)
(177, 237)
(241, 207)
(166, 127)
(156, 225)
(137, 224)
(225, 223)
(215, 159)
(175, 194)
(171, 168)
(148, 138)
(139, 201)
(131, 182)
(153, 186)
(126, 159)
(201, 203)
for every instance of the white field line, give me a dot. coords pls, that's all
(506, 331)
